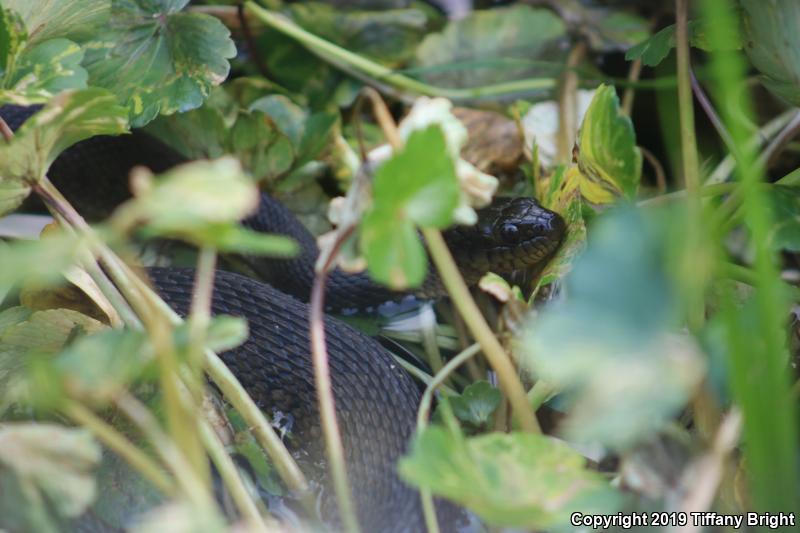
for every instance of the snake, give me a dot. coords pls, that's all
(376, 400)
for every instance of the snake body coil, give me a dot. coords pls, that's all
(376, 400)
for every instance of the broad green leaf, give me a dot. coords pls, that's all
(69, 117)
(505, 44)
(613, 344)
(157, 59)
(12, 316)
(531, 482)
(416, 187)
(75, 20)
(12, 38)
(394, 254)
(287, 117)
(45, 475)
(773, 45)
(419, 182)
(12, 194)
(475, 406)
(98, 367)
(653, 50)
(388, 35)
(608, 156)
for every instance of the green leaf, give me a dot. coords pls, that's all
(613, 345)
(40, 262)
(416, 187)
(513, 480)
(75, 20)
(420, 181)
(98, 367)
(32, 72)
(773, 45)
(191, 197)
(236, 239)
(388, 35)
(157, 59)
(608, 154)
(475, 406)
(67, 118)
(653, 50)
(45, 474)
(785, 233)
(46, 332)
(224, 333)
(394, 254)
(506, 44)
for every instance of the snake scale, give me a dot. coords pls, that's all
(376, 400)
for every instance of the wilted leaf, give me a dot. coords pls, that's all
(612, 344)
(608, 154)
(45, 474)
(69, 117)
(157, 59)
(564, 197)
(515, 480)
(490, 45)
(47, 331)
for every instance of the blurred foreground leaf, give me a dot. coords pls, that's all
(201, 202)
(514, 480)
(613, 346)
(45, 475)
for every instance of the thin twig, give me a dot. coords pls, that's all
(711, 113)
(251, 42)
(6, 131)
(633, 76)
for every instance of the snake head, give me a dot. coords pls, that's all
(511, 234)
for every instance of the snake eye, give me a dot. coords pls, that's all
(509, 232)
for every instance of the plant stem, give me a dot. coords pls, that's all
(200, 307)
(694, 291)
(497, 357)
(423, 412)
(327, 405)
(230, 475)
(346, 59)
(120, 445)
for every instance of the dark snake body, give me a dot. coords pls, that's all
(376, 400)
